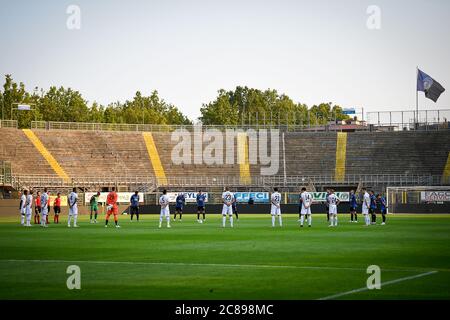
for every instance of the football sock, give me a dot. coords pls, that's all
(168, 221)
(302, 219)
(309, 219)
(28, 220)
(384, 218)
(137, 216)
(224, 221)
(281, 221)
(335, 221)
(237, 215)
(273, 221)
(69, 219)
(204, 217)
(22, 219)
(75, 218)
(231, 221)
(198, 215)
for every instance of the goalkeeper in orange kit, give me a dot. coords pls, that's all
(112, 207)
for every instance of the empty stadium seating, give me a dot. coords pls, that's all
(84, 153)
(122, 154)
(17, 148)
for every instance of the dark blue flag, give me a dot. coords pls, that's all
(427, 84)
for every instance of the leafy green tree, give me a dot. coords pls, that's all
(68, 105)
(252, 106)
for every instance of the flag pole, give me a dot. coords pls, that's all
(417, 97)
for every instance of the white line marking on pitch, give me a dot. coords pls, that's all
(338, 295)
(204, 265)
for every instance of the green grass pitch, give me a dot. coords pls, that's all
(204, 261)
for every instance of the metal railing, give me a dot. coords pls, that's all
(8, 124)
(381, 126)
(407, 117)
(258, 182)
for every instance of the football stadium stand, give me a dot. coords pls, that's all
(143, 160)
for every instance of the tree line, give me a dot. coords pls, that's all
(242, 105)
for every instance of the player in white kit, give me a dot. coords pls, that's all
(307, 201)
(275, 208)
(44, 208)
(73, 208)
(333, 202)
(23, 200)
(366, 206)
(28, 208)
(165, 212)
(227, 209)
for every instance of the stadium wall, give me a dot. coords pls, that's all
(244, 208)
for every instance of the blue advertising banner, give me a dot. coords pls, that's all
(258, 197)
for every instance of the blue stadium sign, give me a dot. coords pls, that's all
(258, 197)
(349, 111)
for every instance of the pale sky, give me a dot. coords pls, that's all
(313, 51)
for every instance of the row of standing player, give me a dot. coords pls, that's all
(41, 207)
(229, 207)
(371, 203)
(369, 206)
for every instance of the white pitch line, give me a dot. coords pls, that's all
(223, 265)
(338, 295)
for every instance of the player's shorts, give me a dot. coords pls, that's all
(73, 211)
(134, 210)
(179, 209)
(112, 210)
(352, 209)
(333, 209)
(57, 210)
(201, 208)
(44, 211)
(94, 208)
(227, 210)
(165, 212)
(274, 210)
(234, 209)
(372, 211)
(37, 209)
(305, 210)
(365, 210)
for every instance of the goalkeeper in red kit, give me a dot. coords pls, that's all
(112, 207)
